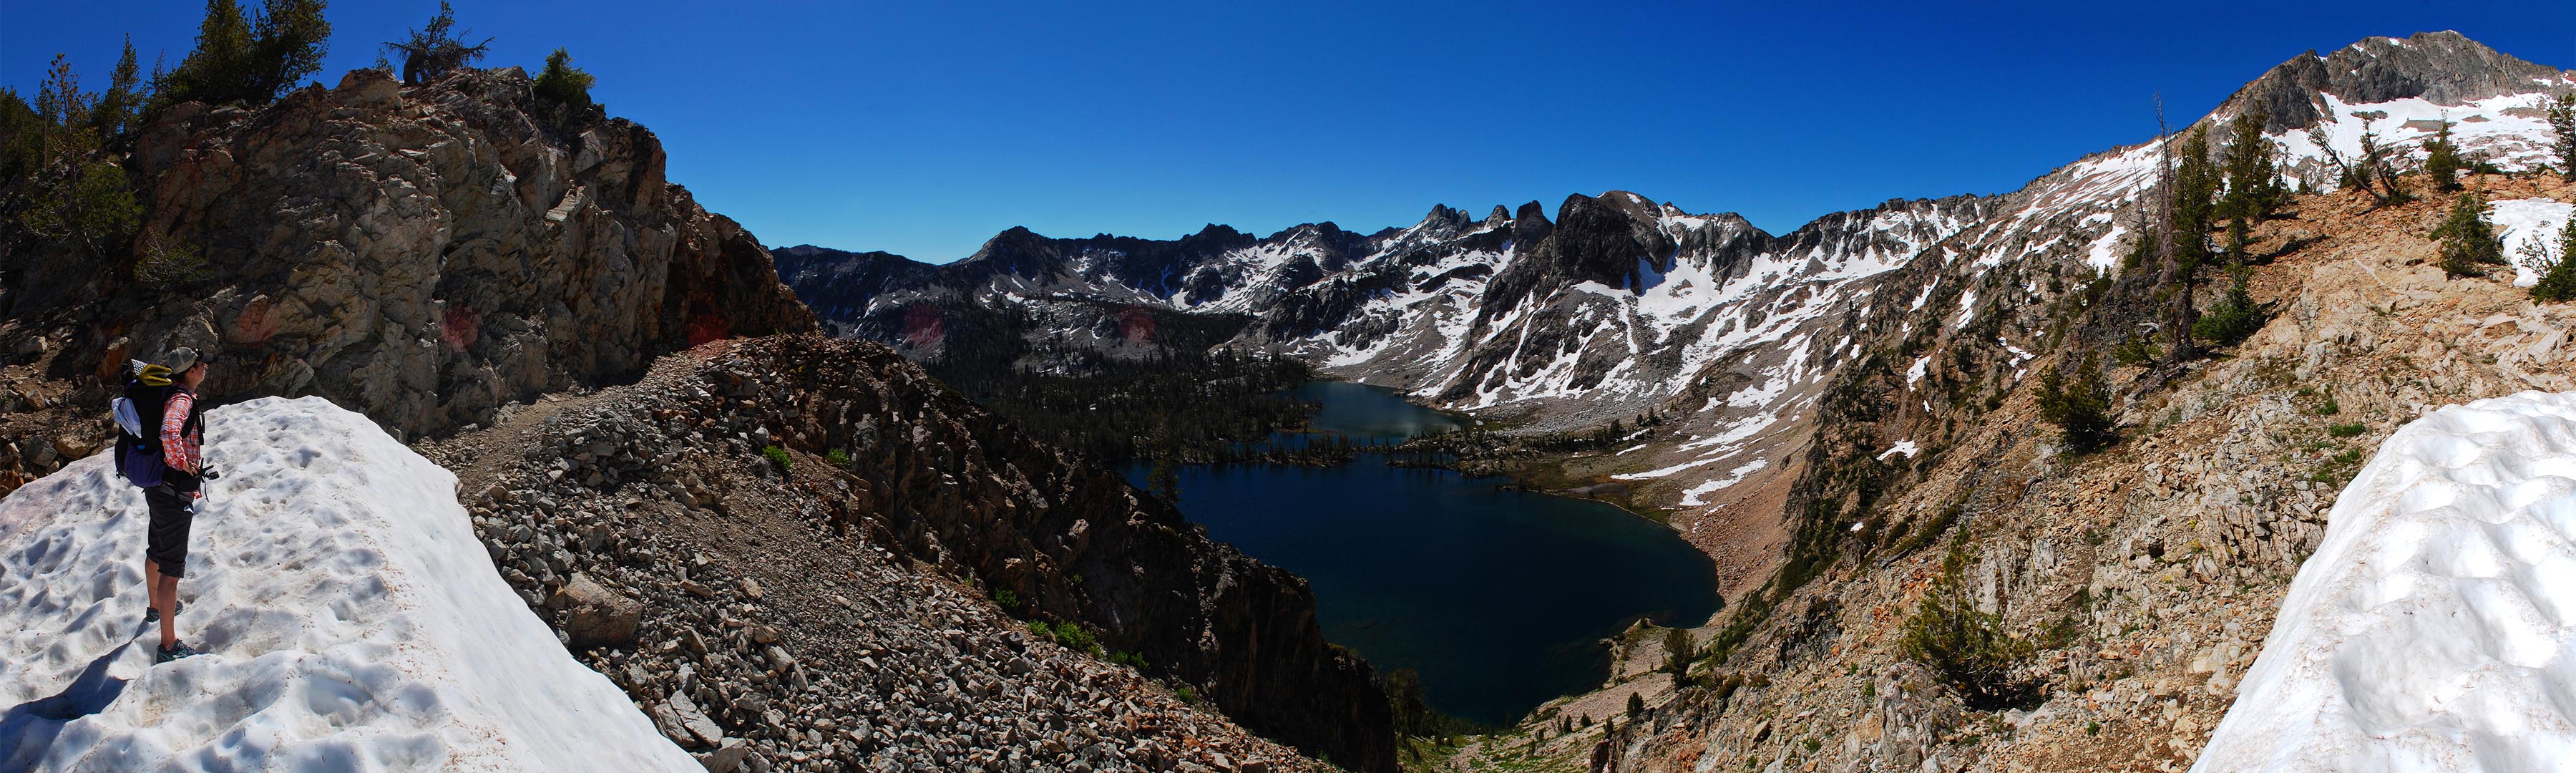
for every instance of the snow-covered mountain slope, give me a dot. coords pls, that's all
(351, 619)
(2435, 628)
(2402, 90)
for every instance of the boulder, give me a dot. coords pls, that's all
(694, 722)
(726, 758)
(595, 616)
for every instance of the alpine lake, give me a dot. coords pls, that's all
(1501, 600)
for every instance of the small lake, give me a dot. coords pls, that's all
(1498, 598)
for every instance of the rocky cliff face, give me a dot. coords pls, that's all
(423, 255)
(624, 485)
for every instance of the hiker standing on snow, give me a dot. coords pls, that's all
(158, 452)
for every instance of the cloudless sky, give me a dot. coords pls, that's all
(925, 128)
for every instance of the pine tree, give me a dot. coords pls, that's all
(63, 110)
(244, 59)
(1636, 704)
(2080, 406)
(562, 82)
(2253, 176)
(2562, 122)
(2442, 162)
(2190, 186)
(1677, 653)
(121, 106)
(2558, 279)
(433, 50)
(289, 41)
(2466, 239)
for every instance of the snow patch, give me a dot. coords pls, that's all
(1691, 496)
(2530, 229)
(2435, 627)
(1905, 447)
(351, 619)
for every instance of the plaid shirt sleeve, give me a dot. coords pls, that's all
(177, 449)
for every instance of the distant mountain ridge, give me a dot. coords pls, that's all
(1619, 304)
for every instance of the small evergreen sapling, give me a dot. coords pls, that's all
(2442, 161)
(2235, 316)
(2558, 278)
(2080, 406)
(2466, 239)
(2562, 122)
(1965, 646)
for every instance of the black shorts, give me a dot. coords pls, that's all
(166, 540)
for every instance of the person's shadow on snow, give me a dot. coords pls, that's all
(28, 729)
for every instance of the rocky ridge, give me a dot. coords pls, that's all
(420, 254)
(824, 615)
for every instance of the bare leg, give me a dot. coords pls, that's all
(152, 583)
(168, 603)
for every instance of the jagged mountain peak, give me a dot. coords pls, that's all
(2444, 68)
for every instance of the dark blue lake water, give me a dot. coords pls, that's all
(1498, 598)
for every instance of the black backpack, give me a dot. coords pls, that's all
(138, 427)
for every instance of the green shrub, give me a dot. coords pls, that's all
(562, 82)
(1128, 659)
(1040, 629)
(2234, 317)
(169, 267)
(2135, 351)
(1075, 637)
(1186, 694)
(778, 458)
(88, 206)
(1008, 601)
(2339, 468)
(2347, 430)
(838, 458)
(1964, 646)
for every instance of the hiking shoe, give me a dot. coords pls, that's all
(173, 652)
(153, 614)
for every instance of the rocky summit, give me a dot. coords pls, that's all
(421, 254)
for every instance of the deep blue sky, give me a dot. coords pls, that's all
(924, 128)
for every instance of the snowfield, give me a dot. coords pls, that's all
(2435, 628)
(2529, 229)
(352, 621)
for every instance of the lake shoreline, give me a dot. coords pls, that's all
(1415, 569)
